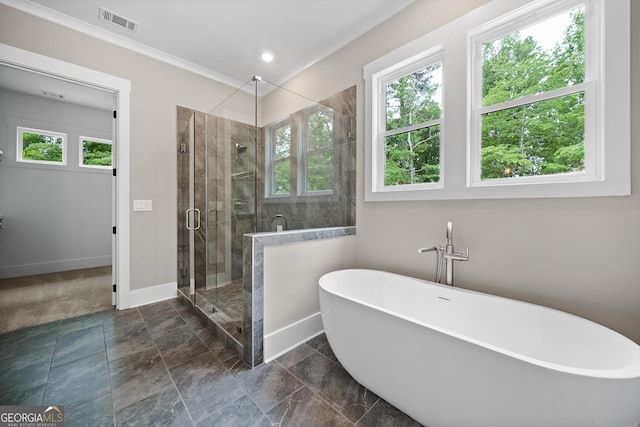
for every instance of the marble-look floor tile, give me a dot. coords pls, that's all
(24, 372)
(179, 345)
(305, 408)
(190, 318)
(335, 385)
(164, 320)
(321, 345)
(149, 309)
(118, 318)
(82, 322)
(383, 414)
(137, 376)
(94, 413)
(77, 381)
(11, 396)
(294, 356)
(205, 385)
(242, 412)
(268, 384)
(217, 347)
(31, 339)
(127, 339)
(161, 409)
(79, 344)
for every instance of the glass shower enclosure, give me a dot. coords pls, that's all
(225, 190)
(216, 205)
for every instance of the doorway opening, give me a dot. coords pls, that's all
(97, 93)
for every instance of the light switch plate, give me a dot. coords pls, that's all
(142, 206)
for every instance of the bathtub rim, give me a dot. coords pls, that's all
(631, 371)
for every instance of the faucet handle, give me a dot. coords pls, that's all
(423, 250)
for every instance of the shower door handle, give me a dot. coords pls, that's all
(196, 215)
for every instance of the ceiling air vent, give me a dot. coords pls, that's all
(52, 94)
(121, 21)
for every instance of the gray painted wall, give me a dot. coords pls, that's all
(56, 218)
(579, 255)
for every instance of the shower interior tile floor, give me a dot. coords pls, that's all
(156, 365)
(224, 305)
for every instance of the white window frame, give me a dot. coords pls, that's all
(379, 81)
(611, 126)
(82, 139)
(20, 145)
(270, 160)
(304, 153)
(516, 21)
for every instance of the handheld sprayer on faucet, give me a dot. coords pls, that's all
(446, 255)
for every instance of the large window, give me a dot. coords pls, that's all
(279, 143)
(317, 151)
(518, 99)
(532, 83)
(41, 146)
(300, 154)
(411, 129)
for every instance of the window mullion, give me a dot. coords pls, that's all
(531, 99)
(412, 127)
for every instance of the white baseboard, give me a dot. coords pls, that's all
(138, 297)
(281, 341)
(53, 266)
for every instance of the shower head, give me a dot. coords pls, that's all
(240, 148)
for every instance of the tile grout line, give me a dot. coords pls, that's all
(106, 355)
(46, 384)
(173, 383)
(318, 395)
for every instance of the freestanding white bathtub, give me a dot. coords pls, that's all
(452, 357)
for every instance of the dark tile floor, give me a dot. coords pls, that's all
(156, 365)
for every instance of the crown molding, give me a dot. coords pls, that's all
(115, 39)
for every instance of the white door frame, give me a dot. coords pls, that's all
(32, 62)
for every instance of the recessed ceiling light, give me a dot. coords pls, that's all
(267, 57)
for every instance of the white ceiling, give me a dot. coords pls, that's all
(224, 39)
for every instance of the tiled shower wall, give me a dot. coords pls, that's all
(338, 209)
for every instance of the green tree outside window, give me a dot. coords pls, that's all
(39, 147)
(539, 138)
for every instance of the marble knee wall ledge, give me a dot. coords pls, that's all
(281, 272)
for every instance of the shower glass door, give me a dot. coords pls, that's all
(188, 217)
(231, 201)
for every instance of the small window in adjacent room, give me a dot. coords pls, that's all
(318, 151)
(95, 153)
(41, 146)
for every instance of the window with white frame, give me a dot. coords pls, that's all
(534, 94)
(412, 125)
(409, 120)
(279, 159)
(317, 151)
(41, 146)
(95, 153)
(299, 154)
